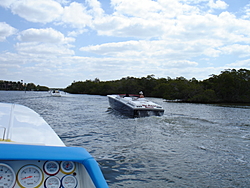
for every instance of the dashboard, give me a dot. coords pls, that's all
(43, 174)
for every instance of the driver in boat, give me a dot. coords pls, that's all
(141, 94)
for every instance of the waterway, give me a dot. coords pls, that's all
(191, 145)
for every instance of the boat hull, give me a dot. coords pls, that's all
(121, 107)
(129, 110)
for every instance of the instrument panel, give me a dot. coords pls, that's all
(43, 174)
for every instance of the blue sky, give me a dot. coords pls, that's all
(56, 42)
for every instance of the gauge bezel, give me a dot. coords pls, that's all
(21, 183)
(45, 168)
(51, 177)
(12, 171)
(69, 176)
(66, 171)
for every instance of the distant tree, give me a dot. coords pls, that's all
(42, 88)
(31, 87)
(231, 85)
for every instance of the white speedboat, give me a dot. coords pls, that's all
(133, 106)
(33, 156)
(55, 93)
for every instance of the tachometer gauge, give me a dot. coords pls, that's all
(67, 167)
(52, 182)
(29, 176)
(69, 181)
(51, 167)
(7, 176)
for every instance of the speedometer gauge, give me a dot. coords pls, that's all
(67, 167)
(29, 176)
(52, 182)
(7, 176)
(69, 181)
(51, 167)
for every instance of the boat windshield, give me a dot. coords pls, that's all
(22, 125)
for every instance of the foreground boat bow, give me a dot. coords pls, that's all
(44, 161)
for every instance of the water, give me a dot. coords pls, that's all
(191, 145)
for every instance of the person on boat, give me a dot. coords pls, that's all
(141, 94)
(127, 95)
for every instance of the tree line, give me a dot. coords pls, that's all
(229, 86)
(20, 86)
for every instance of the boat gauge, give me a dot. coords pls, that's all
(67, 167)
(51, 167)
(7, 176)
(30, 176)
(52, 182)
(69, 181)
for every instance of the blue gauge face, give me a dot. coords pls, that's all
(67, 167)
(51, 167)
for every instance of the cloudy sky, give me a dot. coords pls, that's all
(56, 42)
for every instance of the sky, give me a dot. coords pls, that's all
(54, 43)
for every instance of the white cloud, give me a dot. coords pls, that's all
(6, 3)
(240, 64)
(76, 15)
(182, 63)
(217, 4)
(63, 2)
(135, 27)
(233, 29)
(173, 8)
(237, 49)
(6, 31)
(159, 53)
(37, 11)
(43, 50)
(130, 19)
(134, 8)
(47, 35)
(225, 28)
(247, 12)
(12, 59)
(44, 42)
(95, 8)
(77, 32)
(167, 20)
(110, 48)
(129, 49)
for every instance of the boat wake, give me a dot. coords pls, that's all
(148, 113)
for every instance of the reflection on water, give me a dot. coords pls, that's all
(191, 145)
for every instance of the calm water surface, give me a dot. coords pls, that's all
(191, 145)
